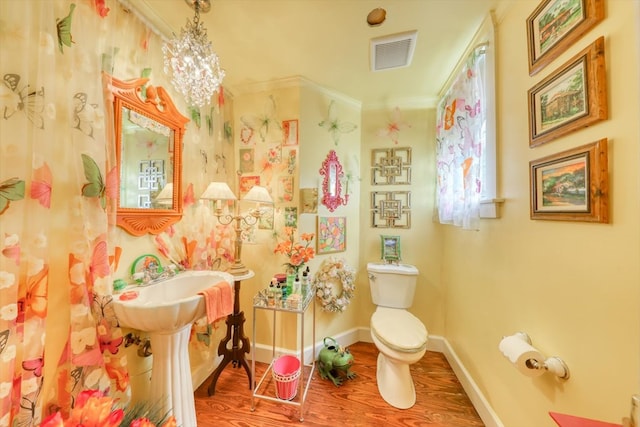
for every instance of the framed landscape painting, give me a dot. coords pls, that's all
(557, 24)
(572, 185)
(572, 97)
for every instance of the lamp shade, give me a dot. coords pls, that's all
(258, 194)
(218, 191)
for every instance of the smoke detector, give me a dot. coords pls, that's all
(393, 51)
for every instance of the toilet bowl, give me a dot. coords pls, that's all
(401, 340)
(400, 337)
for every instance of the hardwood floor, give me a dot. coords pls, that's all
(440, 399)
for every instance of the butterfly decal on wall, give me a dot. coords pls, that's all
(63, 27)
(41, 185)
(97, 187)
(205, 336)
(394, 126)
(84, 114)
(334, 126)
(11, 190)
(263, 123)
(31, 103)
(194, 112)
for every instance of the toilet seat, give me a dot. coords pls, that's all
(399, 330)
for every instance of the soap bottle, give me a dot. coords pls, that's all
(297, 288)
(305, 281)
(278, 296)
(271, 293)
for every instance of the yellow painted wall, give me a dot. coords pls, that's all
(572, 286)
(421, 243)
(298, 99)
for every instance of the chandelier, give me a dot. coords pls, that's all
(190, 61)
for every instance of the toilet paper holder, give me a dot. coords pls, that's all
(552, 364)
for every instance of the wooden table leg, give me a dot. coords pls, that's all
(240, 343)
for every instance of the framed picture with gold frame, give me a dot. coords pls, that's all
(572, 185)
(555, 25)
(571, 98)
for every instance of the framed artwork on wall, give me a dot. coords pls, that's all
(290, 132)
(247, 182)
(391, 166)
(557, 24)
(332, 234)
(390, 248)
(309, 200)
(572, 185)
(572, 97)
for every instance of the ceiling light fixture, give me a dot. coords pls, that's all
(190, 61)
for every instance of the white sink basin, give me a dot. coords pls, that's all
(167, 305)
(166, 310)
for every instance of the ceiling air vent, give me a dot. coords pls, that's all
(393, 51)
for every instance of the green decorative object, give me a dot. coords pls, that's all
(390, 248)
(333, 360)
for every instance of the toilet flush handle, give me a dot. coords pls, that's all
(372, 276)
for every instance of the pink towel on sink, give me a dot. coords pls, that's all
(218, 301)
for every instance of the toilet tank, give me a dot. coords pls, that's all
(392, 285)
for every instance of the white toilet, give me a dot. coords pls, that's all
(401, 338)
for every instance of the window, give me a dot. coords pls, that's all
(465, 138)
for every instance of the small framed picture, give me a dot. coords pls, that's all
(331, 234)
(390, 248)
(572, 185)
(290, 132)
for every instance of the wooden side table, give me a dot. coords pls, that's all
(235, 333)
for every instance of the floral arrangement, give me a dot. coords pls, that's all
(94, 409)
(297, 253)
(333, 271)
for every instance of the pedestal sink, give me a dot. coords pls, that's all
(166, 310)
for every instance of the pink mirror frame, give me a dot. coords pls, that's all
(331, 184)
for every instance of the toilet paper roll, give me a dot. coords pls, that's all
(522, 354)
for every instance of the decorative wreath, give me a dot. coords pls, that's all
(333, 271)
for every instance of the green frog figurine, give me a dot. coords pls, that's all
(333, 360)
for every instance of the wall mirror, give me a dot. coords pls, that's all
(148, 131)
(332, 182)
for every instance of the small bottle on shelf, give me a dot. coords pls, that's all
(297, 286)
(306, 281)
(278, 296)
(271, 293)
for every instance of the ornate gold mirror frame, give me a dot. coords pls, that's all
(148, 131)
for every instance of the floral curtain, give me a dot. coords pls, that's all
(58, 333)
(461, 141)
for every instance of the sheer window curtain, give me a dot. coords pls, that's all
(461, 134)
(56, 208)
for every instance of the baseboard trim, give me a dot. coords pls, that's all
(480, 403)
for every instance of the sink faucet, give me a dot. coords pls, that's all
(151, 269)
